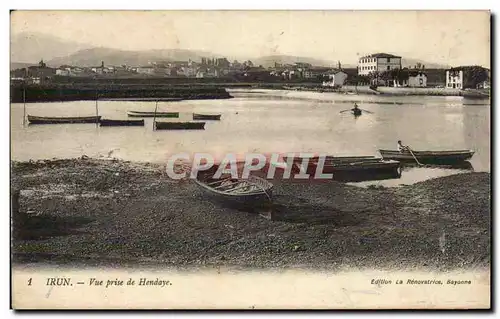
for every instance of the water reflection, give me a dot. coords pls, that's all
(308, 122)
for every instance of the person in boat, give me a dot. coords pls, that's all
(402, 148)
(356, 110)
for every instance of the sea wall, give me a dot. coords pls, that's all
(75, 92)
(418, 91)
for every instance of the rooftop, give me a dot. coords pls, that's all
(416, 72)
(380, 55)
(465, 67)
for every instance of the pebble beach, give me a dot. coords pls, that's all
(108, 212)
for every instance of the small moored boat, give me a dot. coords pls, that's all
(428, 157)
(63, 120)
(152, 114)
(213, 117)
(107, 122)
(180, 125)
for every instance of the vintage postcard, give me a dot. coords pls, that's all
(250, 159)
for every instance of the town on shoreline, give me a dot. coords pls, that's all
(377, 73)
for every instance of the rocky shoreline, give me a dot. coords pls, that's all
(90, 212)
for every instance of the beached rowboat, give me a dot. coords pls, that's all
(246, 191)
(376, 164)
(334, 158)
(106, 122)
(213, 117)
(152, 114)
(363, 169)
(62, 120)
(429, 157)
(180, 125)
(362, 165)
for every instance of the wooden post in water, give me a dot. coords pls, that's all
(24, 106)
(154, 117)
(96, 108)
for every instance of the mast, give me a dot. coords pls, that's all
(154, 118)
(24, 105)
(96, 108)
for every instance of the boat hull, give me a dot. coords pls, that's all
(208, 117)
(152, 114)
(260, 196)
(355, 170)
(334, 158)
(106, 122)
(63, 120)
(180, 125)
(428, 157)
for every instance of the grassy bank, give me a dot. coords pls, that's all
(110, 212)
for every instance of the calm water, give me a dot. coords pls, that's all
(265, 121)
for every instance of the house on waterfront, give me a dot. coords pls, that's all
(145, 69)
(467, 77)
(416, 78)
(98, 69)
(454, 79)
(378, 62)
(336, 79)
(207, 72)
(38, 73)
(188, 71)
(315, 72)
(68, 70)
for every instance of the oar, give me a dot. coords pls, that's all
(345, 111)
(416, 160)
(366, 111)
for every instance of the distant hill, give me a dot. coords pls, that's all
(32, 47)
(17, 65)
(268, 61)
(29, 48)
(94, 56)
(410, 63)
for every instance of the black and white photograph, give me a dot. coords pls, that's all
(250, 159)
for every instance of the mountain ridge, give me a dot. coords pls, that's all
(56, 52)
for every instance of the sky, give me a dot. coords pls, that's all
(448, 37)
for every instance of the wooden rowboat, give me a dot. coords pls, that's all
(213, 117)
(106, 122)
(152, 114)
(253, 190)
(355, 171)
(180, 125)
(428, 157)
(363, 166)
(340, 159)
(62, 120)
